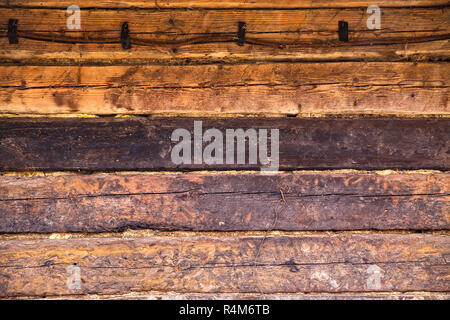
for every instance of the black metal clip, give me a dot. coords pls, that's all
(12, 31)
(125, 36)
(241, 33)
(343, 31)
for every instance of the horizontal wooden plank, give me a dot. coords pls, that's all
(222, 4)
(295, 23)
(280, 88)
(217, 75)
(226, 264)
(303, 34)
(141, 143)
(225, 202)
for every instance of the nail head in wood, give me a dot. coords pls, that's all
(241, 33)
(343, 31)
(12, 31)
(125, 36)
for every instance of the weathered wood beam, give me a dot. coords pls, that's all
(145, 144)
(225, 202)
(315, 30)
(280, 88)
(233, 264)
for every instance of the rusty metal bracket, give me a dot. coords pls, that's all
(12, 31)
(125, 36)
(241, 33)
(343, 31)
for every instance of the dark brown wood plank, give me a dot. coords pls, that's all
(269, 88)
(145, 144)
(225, 202)
(226, 264)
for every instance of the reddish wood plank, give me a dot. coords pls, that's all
(206, 202)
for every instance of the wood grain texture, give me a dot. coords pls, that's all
(145, 144)
(280, 88)
(224, 202)
(64, 54)
(295, 23)
(222, 4)
(210, 264)
(401, 27)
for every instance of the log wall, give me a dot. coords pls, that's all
(93, 206)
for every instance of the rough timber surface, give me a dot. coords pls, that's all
(269, 88)
(105, 144)
(225, 202)
(210, 264)
(418, 33)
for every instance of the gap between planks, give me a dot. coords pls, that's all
(183, 5)
(228, 4)
(84, 60)
(172, 295)
(217, 172)
(195, 114)
(136, 234)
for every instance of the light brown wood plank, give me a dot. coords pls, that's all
(226, 202)
(301, 23)
(210, 264)
(401, 28)
(283, 88)
(217, 75)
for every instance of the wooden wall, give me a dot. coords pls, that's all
(92, 205)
